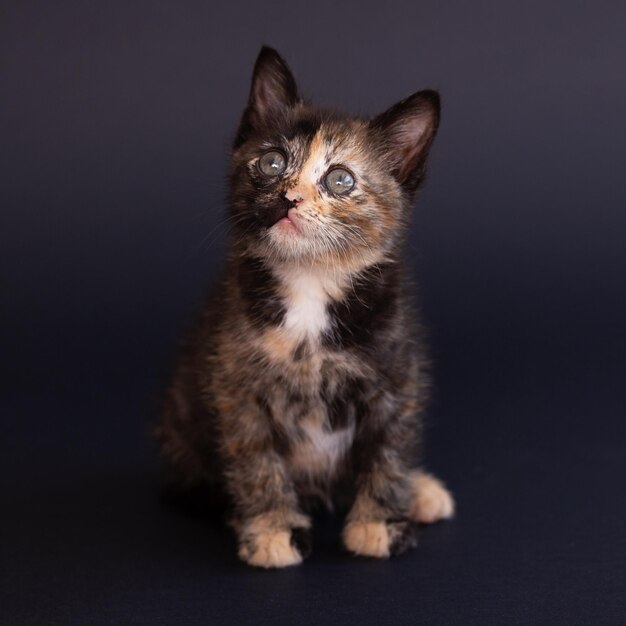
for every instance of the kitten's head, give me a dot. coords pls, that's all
(320, 186)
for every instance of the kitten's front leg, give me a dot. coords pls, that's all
(373, 529)
(390, 500)
(379, 523)
(271, 530)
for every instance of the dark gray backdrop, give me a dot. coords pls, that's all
(116, 124)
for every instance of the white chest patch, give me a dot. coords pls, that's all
(306, 299)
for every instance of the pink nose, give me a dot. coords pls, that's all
(294, 197)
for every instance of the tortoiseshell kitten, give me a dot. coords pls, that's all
(305, 371)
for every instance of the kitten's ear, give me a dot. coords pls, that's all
(273, 91)
(407, 130)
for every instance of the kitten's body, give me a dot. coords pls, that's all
(305, 369)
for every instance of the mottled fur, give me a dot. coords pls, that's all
(305, 369)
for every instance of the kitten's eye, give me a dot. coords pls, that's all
(272, 163)
(339, 181)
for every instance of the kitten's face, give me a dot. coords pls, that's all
(324, 187)
(316, 187)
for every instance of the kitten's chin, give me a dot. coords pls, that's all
(286, 241)
(293, 240)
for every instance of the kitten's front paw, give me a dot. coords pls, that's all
(270, 549)
(431, 500)
(263, 545)
(379, 539)
(367, 539)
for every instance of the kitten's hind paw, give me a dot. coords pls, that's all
(431, 500)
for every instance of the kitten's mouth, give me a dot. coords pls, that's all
(288, 223)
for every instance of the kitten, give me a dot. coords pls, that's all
(305, 371)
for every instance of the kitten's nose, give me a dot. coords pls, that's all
(286, 202)
(293, 196)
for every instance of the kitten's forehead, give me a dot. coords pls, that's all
(334, 139)
(334, 142)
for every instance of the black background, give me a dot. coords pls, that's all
(116, 125)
